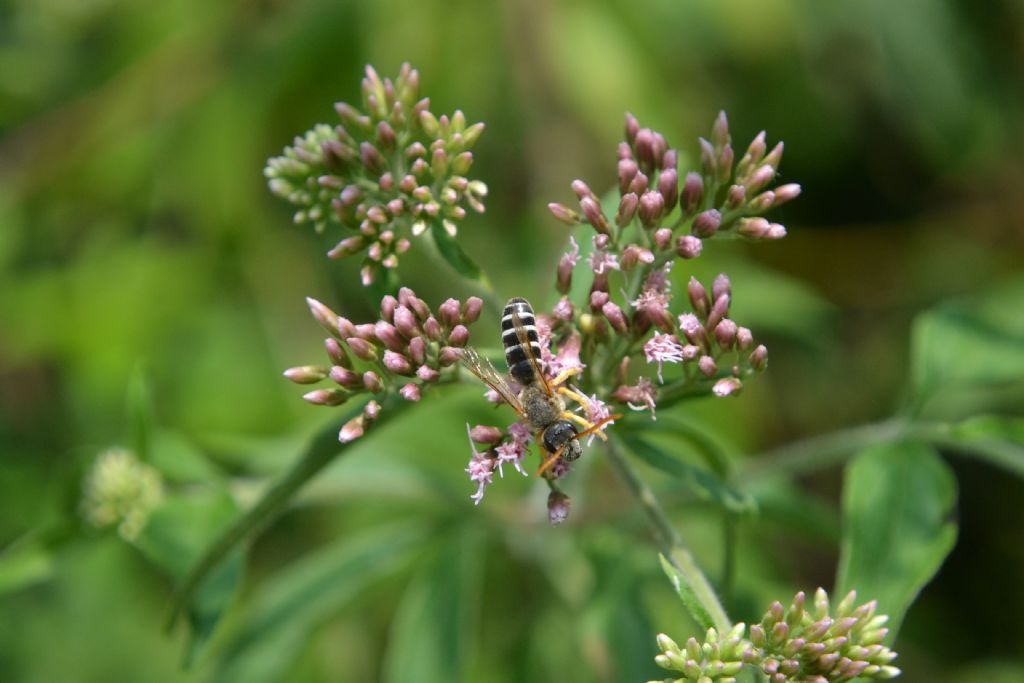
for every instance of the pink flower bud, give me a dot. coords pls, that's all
(645, 145)
(306, 374)
(346, 328)
(326, 397)
(663, 238)
(627, 209)
(559, 505)
(729, 386)
(774, 157)
(405, 322)
(721, 285)
(352, 430)
(367, 331)
(724, 163)
(762, 202)
(720, 130)
(371, 158)
(630, 257)
(652, 204)
(408, 298)
(427, 373)
(785, 193)
(351, 195)
(485, 435)
(691, 328)
(688, 246)
(754, 154)
(564, 214)
(371, 411)
(345, 377)
(347, 247)
(472, 308)
(336, 352)
(639, 184)
(615, 317)
(449, 312)
(361, 348)
(432, 329)
(690, 352)
(706, 223)
(387, 308)
(744, 338)
(760, 178)
(397, 363)
(592, 210)
(448, 356)
(327, 318)
(693, 193)
(718, 311)
(402, 245)
(623, 151)
(388, 335)
(372, 381)
(759, 357)
(775, 232)
(598, 299)
(671, 161)
(415, 150)
(367, 274)
(439, 164)
(698, 297)
(725, 333)
(668, 187)
(410, 392)
(459, 336)
(735, 197)
(632, 127)
(581, 189)
(563, 310)
(707, 366)
(408, 183)
(708, 158)
(627, 171)
(396, 207)
(462, 163)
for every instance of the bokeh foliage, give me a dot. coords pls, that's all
(151, 291)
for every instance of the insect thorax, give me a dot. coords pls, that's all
(541, 408)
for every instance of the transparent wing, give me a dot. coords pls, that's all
(524, 342)
(482, 368)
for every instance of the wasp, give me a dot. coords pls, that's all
(540, 403)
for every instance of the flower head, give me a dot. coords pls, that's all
(480, 469)
(121, 490)
(663, 348)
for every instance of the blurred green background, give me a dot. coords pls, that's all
(141, 254)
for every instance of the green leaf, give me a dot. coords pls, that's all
(283, 615)
(687, 594)
(26, 561)
(969, 345)
(178, 460)
(451, 251)
(898, 502)
(704, 484)
(436, 623)
(996, 439)
(175, 535)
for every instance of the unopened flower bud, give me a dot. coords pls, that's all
(719, 309)
(706, 223)
(485, 435)
(352, 430)
(439, 164)
(735, 197)
(671, 161)
(367, 331)
(388, 335)
(427, 373)
(327, 318)
(371, 411)
(563, 310)
(708, 159)
(615, 316)
(408, 298)
(558, 507)
(326, 397)
(336, 352)
(627, 171)
(387, 308)
(707, 366)
(774, 157)
(459, 336)
(461, 163)
(639, 184)
(449, 312)
(345, 377)
(367, 274)
(720, 130)
(775, 232)
(372, 382)
(785, 193)
(351, 195)
(472, 308)
(693, 193)
(347, 247)
(627, 209)
(752, 157)
(592, 210)
(397, 363)
(582, 190)
(691, 328)
(688, 246)
(759, 357)
(448, 356)
(744, 338)
(405, 322)
(623, 151)
(632, 127)
(432, 329)
(760, 178)
(564, 214)
(652, 204)
(663, 238)
(668, 187)
(762, 202)
(725, 333)
(721, 286)
(371, 158)
(724, 164)
(306, 374)
(728, 386)
(598, 299)
(410, 392)
(698, 297)
(361, 348)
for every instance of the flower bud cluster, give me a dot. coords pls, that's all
(816, 643)
(386, 172)
(407, 349)
(801, 644)
(718, 658)
(121, 490)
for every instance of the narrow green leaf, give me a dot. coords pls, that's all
(454, 255)
(898, 502)
(24, 562)
(996, 439)
(284, 614)
(687, 594)
(178, 460)
(139, 407)
(703, 483)
(175, 535)
(431, 637)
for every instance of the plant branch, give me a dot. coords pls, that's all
(669, 541)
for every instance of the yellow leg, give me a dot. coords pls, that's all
(583, 423)
(575, 395)
(564, 375)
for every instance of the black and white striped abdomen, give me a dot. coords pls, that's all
(519, 365)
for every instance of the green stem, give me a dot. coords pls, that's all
(322, 451)
(668, 538)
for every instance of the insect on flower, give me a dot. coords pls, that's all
(540, 403)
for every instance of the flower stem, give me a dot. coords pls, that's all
(668, 539)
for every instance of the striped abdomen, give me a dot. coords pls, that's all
(518, 311)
